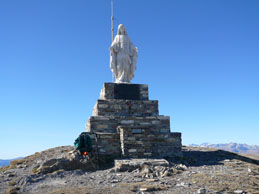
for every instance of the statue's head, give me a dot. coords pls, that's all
(121, 30)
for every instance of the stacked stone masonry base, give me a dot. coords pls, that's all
(125, 123)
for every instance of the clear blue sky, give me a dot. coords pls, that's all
(200, 59)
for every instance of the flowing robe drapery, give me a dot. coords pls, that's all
(123, 59)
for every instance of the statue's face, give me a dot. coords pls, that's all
(122, 29)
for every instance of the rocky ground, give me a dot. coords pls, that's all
(200, 170)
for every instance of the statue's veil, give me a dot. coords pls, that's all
(119, 32)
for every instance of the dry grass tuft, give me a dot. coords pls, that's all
(58, 171)
(3, 169)
(12, 182)
(15, 190)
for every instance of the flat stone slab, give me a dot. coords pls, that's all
(124, 91)
(133, 164)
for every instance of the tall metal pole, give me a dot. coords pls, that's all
(112, 19)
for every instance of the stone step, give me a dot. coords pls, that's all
(157, 124)
(126, 108)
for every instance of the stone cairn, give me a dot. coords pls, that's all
(126, 124)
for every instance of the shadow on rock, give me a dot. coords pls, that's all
(196, 156)
(73, 161)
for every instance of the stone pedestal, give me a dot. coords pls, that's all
(125, 122)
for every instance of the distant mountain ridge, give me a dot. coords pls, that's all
(232, 147)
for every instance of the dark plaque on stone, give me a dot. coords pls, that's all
(127, 91)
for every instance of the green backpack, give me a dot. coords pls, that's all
(83, 143)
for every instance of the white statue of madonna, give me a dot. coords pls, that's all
(123, 57)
